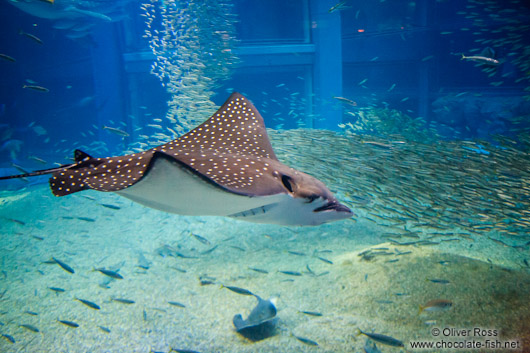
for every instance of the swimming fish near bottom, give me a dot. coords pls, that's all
(383, 339)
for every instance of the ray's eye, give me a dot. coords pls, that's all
(286, 181)
(312, 198)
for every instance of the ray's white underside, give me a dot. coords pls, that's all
(170, 187)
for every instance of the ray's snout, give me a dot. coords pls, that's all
(334, 206)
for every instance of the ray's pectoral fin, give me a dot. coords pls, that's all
(72, 177)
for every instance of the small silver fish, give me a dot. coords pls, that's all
(30, 36)
(338, 7)
(36, 88)
(7, 57)
(481, 59)
(116, 131)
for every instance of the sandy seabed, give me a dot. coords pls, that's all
(489, 285)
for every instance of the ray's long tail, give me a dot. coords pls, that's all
(61, 174)
(38, 172)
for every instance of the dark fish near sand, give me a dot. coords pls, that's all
(224, 167)
(104, 329)
(311, 313)
(329, 262)
(110, 273)
(297, 253)
(383, 339)
(123, 301)
(291, 273)
(259, 270)
(30, 327)
(205, 282)
(310, 271)
(8, 337)
(306, 341)
(68, 323)
(179, 350)
(17, 221)
(63, 265)
(238, 290)
(89, 303)
(56, 289)
(180, 305)
(438, 280)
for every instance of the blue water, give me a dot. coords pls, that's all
(380, 100)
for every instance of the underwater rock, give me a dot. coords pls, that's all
(261, 322)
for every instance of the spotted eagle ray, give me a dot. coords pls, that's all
(224, 167)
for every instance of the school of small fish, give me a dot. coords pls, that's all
(433, 189)
(509, 34)
(401, 176)
(204, 42)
